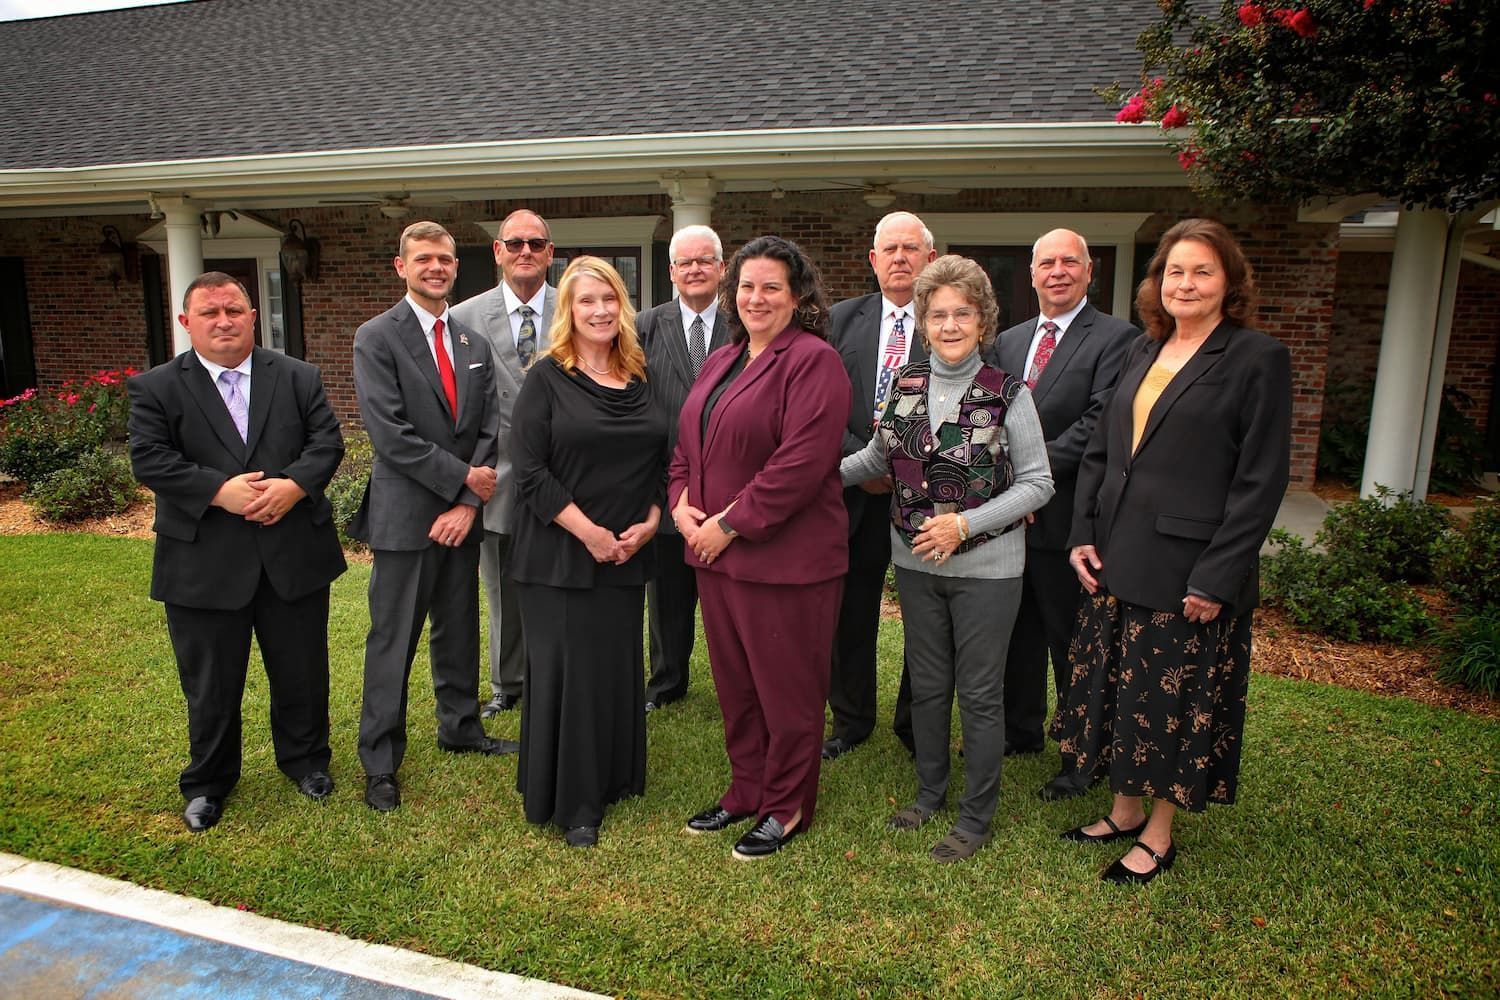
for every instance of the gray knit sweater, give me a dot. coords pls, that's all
(1003, 556)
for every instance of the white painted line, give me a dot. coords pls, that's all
(394, 966)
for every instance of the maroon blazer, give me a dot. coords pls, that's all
(773, 445)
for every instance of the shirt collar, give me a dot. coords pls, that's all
(215, 370)
(1066, 319)
(709, 313)
(427, 319)
(513, 302)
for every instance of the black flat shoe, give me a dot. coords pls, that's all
(485, 744)
(316, 786)
(582, 836)
(203, 812)
(382, 793)
(835, 748)
(715, 818)
(1120, 875)
(1077, 836)
(768, 837)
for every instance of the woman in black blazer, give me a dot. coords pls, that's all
(1178, 489)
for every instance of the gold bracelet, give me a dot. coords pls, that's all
(963, 528)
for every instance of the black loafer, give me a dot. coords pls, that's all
(316, 786)
(1023, 749)
(1120, 875)
(1077, 836)
(382, 793)
(836, 747)
(203, 812)
(715, 818)
(499, 703)
(1063, 787)
(582, 836)
(767, 837)
(485, 744)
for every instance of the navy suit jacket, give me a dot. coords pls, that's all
(184, 446)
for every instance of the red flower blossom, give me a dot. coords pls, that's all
(1252, 14)
(1369, 4)
(1490, 98)
(1134, 111)
(1299, 21)
(1174, 118)
(1188, 158)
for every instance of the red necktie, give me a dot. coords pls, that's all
(445, 369)
(1044, 349)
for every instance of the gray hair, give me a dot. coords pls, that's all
(696, 233)
(927, 239)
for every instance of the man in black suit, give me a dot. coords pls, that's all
(427, 396)
(876, 334)
(238, 443)
(1070, 356)
(677, 336)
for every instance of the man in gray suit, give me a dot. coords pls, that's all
(427, 397)
(677, 336)
(514, 318)
(1070, 356)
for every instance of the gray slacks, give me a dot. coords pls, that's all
(957, 634)
(507, 650)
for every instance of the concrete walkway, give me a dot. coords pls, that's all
(67, 934)
(1301, 513)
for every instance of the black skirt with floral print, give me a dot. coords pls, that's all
(1156, 701)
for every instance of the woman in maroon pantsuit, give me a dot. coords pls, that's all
(755, 492)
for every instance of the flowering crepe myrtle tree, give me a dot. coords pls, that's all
(1395, 100)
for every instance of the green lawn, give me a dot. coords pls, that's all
(1362, 859)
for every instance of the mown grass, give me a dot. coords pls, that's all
(1361, 860)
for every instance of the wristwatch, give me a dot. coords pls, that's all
(724, 527)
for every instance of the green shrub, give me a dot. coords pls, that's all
(1469, 564)
(1339, 596)
(41, 434)
(1457, 455)
(97, 484)
(1471, 652)
(347, 488)
(1396, 537)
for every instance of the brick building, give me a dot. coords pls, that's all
(204, 133)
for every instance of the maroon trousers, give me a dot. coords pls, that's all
(770, 647)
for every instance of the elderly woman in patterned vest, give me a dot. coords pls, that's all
(963, 446)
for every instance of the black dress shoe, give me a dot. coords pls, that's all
(1023, 749)
(651, 706)
(316, 786)
(836, 747)
(203, 812)
(499, 703)
(1120, 875)
(1065, 786)
(582, 836)
(1077, 836)
(765, 839)
(715, 818)
(381, 792)
(485, 745)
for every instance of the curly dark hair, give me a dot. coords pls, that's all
(811, 312)
(1239, 278)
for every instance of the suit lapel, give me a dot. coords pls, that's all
(867, 351)
(748, 377)
(1011, 356)
(549, 307)
(720, 333)
(1063, 353)
(671, 328)
(1199, 365)
(497, 321)
(265, 381)
(463, 352)
(409, 329)
(201, 387)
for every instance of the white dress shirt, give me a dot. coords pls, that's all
(214, 371)
(513, 304)
(709, 314)
(1063, 322)
(428, 321)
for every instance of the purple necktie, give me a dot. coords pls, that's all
(239, 410)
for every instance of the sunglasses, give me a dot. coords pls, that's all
(536, 243)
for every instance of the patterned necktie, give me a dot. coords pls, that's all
(1044, 349)
(526, 342)
(239, 410)
(895, 353)
(445, 369)
(697, 345)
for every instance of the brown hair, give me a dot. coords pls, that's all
(968, 279)
(811, 311)
(626, 359)
(215, 279)
(428, 231)
(1239, 279)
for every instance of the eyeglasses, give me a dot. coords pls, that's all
(962, 316)
(683, 263)
(536, 243)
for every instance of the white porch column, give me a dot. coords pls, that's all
(692, 200)
(1406, 342)
(184, 258)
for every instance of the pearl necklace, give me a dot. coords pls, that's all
(596, 371)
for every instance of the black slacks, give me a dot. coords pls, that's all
(1044, 626)
(672, 604)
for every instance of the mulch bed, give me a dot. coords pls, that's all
(1280, 648)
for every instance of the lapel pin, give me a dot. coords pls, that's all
(463, 338)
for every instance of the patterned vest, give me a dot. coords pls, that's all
(964, 466)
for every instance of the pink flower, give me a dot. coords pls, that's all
(1134, 111)
(1174, 118)
(1490, 98)
(1188, 158)
(1369, 4)
(1299, 21)
(1252, 14)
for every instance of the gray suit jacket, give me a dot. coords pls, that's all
(668, 366)
(421, 456)
(486, 313)
(1069, 397)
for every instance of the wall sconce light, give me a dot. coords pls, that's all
(117, 260)
(299, 253)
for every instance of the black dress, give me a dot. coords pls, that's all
(583, 729)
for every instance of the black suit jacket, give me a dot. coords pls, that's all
(669, 368)
(1069, 398)
(184, 446)
(854, 329)
(1194, 503)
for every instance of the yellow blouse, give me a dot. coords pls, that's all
(1145, 397)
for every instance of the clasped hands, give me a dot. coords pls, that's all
(256, 498)
(607, 547)
(701, 532)
(938, 539)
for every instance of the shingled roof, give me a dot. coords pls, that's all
(252, 77)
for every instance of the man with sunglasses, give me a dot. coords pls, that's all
(515, 316)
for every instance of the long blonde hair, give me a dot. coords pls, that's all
(626, 359)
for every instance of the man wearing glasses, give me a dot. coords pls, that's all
(676, 337)
(515, 316)
(1070, 357)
